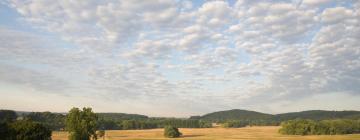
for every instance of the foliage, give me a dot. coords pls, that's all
(235, 114)
(54, 121)
(81, 124)
(121, 116)
(318, 115)
(108, 125)
(7, 116)
(253, 118)
(154, 123)
(137, 124)
(171, 132)
(6, 133)
(324, 127)
(180, 123)
(29, 130)
(234, 124)
(205, 124)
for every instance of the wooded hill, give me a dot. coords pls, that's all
(121, 116)
(237, 114)
(234, 114)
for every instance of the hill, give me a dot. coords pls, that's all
(318, 115)
(121, 116)
(237, 114)
(234, 114)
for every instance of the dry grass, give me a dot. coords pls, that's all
(247, 133)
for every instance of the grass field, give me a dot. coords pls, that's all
(247, 133)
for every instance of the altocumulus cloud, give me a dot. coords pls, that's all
(181, 58)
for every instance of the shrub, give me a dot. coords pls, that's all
(29, 130)
(171, 132)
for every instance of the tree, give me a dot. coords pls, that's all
(54, 121)
(6, 133)
(29, 130)
(171, 132)
(81, 124)
(7, 116)
(324, 127)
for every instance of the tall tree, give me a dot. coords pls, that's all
(81, 124)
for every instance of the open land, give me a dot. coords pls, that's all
(246, 133)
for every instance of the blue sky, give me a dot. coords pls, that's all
(180, 58)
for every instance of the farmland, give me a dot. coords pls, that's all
(248, 133)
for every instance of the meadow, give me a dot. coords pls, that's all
(245, 133)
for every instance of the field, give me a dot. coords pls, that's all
(247, 133)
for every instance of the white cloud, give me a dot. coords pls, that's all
(315, 2)
(246, 54)
(337, 14)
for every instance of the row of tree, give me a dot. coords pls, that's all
(323, 127)
(107, 121)
(151, 123)
(243, 123)
(54, 121)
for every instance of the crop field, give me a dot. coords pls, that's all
(246, 133)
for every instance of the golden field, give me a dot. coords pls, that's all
(246, 133)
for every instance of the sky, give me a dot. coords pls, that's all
(178, 58)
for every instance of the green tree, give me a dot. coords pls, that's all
(7, 116)
(54, 121)
(6, 133)
(235, 124)
(324, 127)
(29, 130)
(81, 124)
(171, 132)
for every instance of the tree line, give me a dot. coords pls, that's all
(323, 127)
(243, 123)
(13, 129)
(152, 123)
(108, 121)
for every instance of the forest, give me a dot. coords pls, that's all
(323, 127)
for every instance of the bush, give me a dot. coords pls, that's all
(29, 130)
(171, 132)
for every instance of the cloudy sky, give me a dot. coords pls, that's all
(180, 58)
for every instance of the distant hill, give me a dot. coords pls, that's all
(121, 116)
(319, 115)
(238, 114)
(234, 114)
